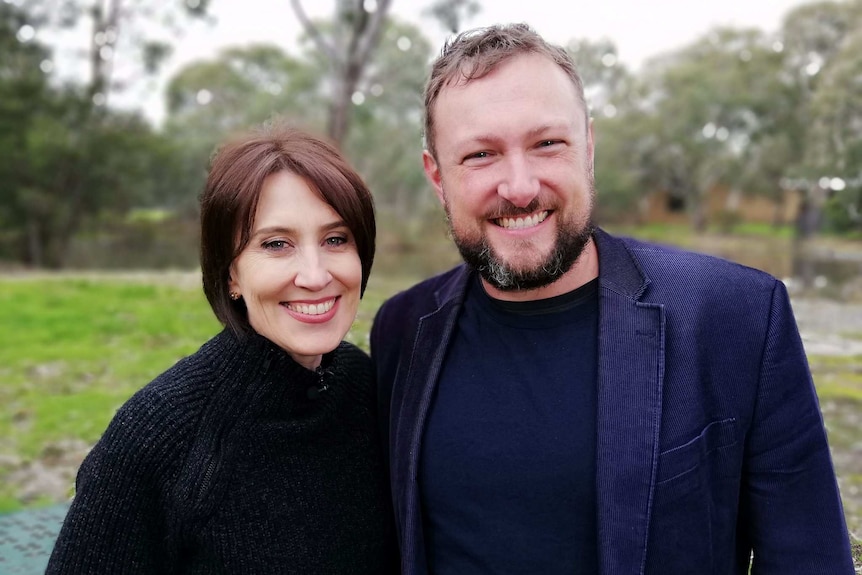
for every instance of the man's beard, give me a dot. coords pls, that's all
(569, 245)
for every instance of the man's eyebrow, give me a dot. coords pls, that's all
(532, 133)
(545, 128)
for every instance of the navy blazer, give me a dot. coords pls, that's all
(710, 442)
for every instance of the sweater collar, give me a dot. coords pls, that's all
(253, 356)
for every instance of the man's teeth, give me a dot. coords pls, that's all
(312, 309)
(525, 222)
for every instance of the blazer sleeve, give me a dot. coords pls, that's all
(794, 519)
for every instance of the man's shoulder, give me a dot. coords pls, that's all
(432, 292)
(401, 313)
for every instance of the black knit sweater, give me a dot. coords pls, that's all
(224, 464)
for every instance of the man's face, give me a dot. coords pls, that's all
(514, 172)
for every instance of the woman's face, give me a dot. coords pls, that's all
(300, 273)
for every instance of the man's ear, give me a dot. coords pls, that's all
(432, 172)
(591, 146)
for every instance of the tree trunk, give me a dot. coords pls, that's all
(34, 244)
(348, 60)
(810, 211)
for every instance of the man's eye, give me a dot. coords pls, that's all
(546, 143)
(477, 155)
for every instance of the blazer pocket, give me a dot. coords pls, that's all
(678, 467)
(694, 479)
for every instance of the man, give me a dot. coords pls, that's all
(571, 402)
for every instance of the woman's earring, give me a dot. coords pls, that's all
(234, 295)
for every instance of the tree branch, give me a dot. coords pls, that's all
(314, 32)
(370, 39)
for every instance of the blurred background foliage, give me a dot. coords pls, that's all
(750, 139)
(738, 118)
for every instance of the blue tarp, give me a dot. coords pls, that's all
(27, 537)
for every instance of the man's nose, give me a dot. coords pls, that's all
(520, 185)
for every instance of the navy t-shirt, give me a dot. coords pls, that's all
(507, 469)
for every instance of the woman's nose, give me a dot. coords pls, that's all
(313, 273)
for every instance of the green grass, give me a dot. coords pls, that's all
(755, 229)
(72, 350)
(837, 377)
(680, 235)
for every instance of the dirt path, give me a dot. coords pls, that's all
(829, 327)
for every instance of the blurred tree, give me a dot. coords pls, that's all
(608, 87)
(23, 85)
(385, 142)
(241, 87)
(140, 28)
(606, 79)
(701, 109)
(23, 90)
(822, 45)
(451, 14)
(347, 44)
(72, 173)
(70, 158)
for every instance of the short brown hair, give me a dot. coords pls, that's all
(230, 196)
(473, 54)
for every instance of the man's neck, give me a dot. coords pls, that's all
(585, 269)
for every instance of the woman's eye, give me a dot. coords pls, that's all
(336, 241)
(275, 245)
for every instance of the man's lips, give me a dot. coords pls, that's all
(522, 222)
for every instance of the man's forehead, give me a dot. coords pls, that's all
(470, 72)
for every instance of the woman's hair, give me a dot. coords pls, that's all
(474, 54)
(229, 202)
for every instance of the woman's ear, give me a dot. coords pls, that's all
(232, 284)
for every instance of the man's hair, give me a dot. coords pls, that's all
(473, 54)
(232, 191)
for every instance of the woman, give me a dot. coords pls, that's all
(258, 453)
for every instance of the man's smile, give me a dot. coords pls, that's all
(522, 222)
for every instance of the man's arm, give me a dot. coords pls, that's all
(795, 518)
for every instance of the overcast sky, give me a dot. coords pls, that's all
(640, 29)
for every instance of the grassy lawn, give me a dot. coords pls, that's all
(74, 348)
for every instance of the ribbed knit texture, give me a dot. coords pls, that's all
(223, 464)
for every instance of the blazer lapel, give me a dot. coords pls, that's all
(414, 394)
(630, 375)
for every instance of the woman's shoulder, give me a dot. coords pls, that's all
(158, 420)
(352, 361)
(352, 368)
(349, 351)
